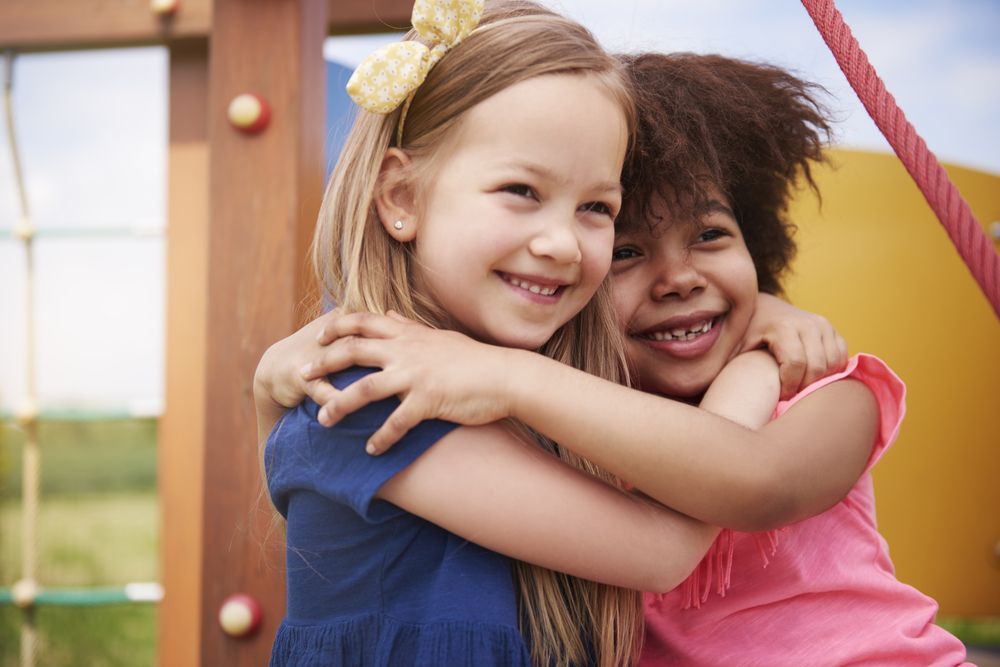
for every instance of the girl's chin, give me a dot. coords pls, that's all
(520, 341)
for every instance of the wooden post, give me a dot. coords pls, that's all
(181, 448)
(265, 192)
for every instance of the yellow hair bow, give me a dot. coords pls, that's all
(386, 78)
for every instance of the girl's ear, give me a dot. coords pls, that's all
(394, 198)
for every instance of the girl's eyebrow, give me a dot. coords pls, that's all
(546, 173)
(716, 206)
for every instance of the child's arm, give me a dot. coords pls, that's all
(538, 510)
(488, 486)
(791, 468)
(694, 462)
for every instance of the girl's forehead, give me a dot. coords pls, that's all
(559, 122)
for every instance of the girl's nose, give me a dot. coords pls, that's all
(557, 241)
(676, 277)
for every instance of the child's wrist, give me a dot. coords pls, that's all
(519, 378)
(529, 375)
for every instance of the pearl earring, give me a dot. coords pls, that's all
(397, 225)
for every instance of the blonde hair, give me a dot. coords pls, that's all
(361, 267)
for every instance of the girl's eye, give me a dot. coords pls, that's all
(623, 253)
(598, 207)
(519, 189)
(711, 234)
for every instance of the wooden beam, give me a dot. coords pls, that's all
(36, 25)
(364, 16)
(181, 445)
(43, 25)
(265, 194)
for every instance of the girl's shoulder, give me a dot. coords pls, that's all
(887, 388)
(301, 454)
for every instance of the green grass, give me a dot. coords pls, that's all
(86, 540)
(98, 526)
(109, 636)
(82, 457)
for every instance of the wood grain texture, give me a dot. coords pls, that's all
(265, 192)
(32, 25)
(181, 440)
(40, 25)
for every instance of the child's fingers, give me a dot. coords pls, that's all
(344, 353)
(789, 351)
(369, 389)
(817, 361)
(834, 345)
(320, 391)
(369, 325)
(837, 351)
(791, 372)
(399, 423)
(333, 359)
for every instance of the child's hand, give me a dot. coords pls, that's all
(436, 373)
(805, 345)
(278, 378)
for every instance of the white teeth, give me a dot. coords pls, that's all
(682, 334)
(531, 287)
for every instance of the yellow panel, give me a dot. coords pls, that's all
(876, 262)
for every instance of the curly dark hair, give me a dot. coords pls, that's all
(751, 130)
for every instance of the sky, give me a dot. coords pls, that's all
(92, 132)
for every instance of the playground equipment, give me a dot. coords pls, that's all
(223, 316)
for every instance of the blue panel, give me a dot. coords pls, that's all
(339, 111)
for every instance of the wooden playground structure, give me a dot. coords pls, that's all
(241, 212)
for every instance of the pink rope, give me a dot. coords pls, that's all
(951, 209)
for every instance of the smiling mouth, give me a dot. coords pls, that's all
(681, 333)
(533, 287)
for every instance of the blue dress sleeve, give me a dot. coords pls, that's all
(302, 455)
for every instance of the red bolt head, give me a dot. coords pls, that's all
(240, 615)
(249, 113)
(164, 7)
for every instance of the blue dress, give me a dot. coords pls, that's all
(368, 583)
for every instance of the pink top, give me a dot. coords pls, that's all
(819, 592)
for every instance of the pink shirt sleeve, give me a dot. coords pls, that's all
(889, 391)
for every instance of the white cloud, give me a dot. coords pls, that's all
(92, 135)
(107, 104)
